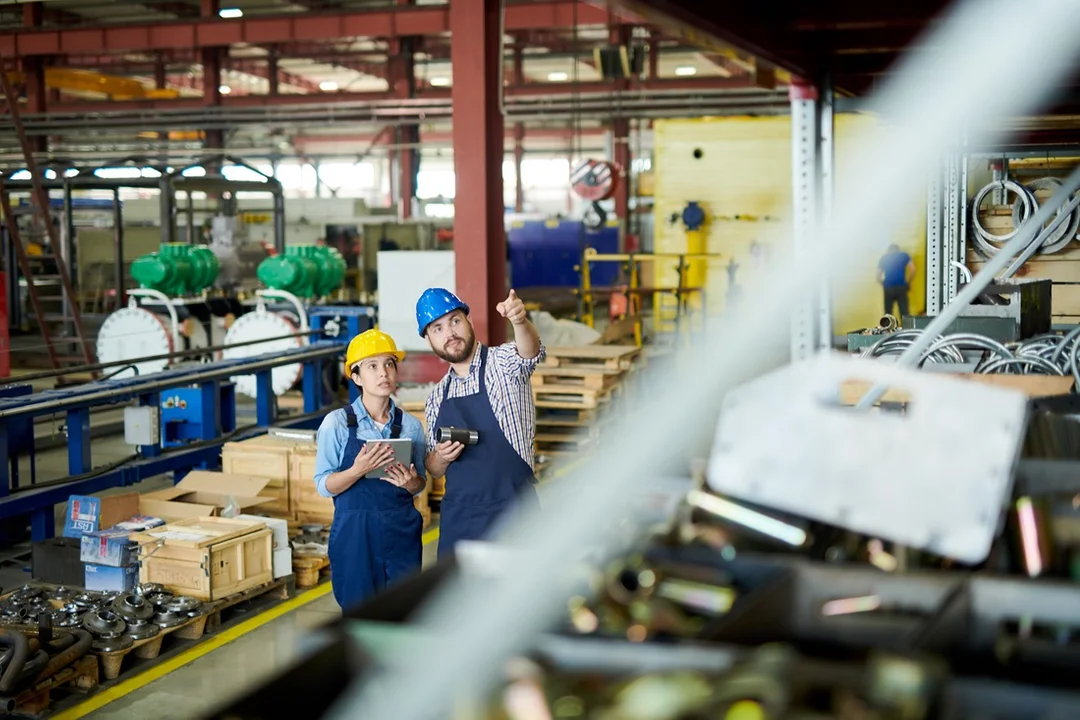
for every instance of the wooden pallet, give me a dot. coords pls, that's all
(308, 569)
(587, 378)
(565, 417)
(150, 648)
(570, 397)
(568, 442)
(220, 610)
(594, 357)
(80, 677)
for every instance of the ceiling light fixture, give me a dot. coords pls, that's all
(230, 13)
(557, 76)
(440, 81)
(328, 86)
(685, 70)
(224, 89)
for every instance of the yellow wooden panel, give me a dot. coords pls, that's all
(741, 166)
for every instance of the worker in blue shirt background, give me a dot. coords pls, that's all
(895, 270)
(375, 536)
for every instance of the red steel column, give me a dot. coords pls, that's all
(479, 235)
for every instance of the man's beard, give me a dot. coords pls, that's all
(456, 356)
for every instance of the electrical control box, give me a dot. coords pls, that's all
(181, 416)
(141, 425)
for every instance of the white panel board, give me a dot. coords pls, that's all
(403, 276)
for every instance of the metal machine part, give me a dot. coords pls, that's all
(168, 619)
(820, 478)
(112, 644)
(459, 435)
(146, 589)
(182, 604)
(265, 323)
(133, 608)
(142, 629)
(104, 623)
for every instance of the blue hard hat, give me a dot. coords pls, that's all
(433, 304)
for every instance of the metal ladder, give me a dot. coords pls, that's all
(40, 201)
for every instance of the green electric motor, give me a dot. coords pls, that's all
(306, 271)
(177, 269)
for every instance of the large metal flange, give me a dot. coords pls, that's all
(264, 324)
(133, 607)
(170, 619)
(183, 604)
(142, 629)
(131, 333)
(104, 623)
(112, 644)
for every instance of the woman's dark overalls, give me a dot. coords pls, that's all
(488, 478)
(375, 536)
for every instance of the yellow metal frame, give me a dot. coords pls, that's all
(689, 265)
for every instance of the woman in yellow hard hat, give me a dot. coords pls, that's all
(375, 537)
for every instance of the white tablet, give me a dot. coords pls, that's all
(402, 454)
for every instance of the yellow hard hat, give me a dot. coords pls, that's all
(369, 344)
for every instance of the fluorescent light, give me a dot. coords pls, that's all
(224, 89)
(50, 174)
(230, 13)
(195, 171)
(118, 173)
(557, 76)
(440, 81)
(685, 70)
(328, 86)
(149, 172)
(71, 172)
(21, 175)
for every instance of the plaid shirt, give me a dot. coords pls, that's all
(509, 388)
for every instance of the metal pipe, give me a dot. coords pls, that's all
(118, 248)
(974, 288)
(288, 357)
(279, 223)
(17, 643)
(75, 369)
(66, 657)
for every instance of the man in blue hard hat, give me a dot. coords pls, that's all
(488, 390)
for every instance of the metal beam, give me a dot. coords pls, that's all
(201, 32)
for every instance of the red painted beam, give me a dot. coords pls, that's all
(480, 246)
(402, 21)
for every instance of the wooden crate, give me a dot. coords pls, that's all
(261, 456)
(207, 558)
(595, 357)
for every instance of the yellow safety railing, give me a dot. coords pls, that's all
(631, 266)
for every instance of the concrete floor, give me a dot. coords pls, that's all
(228, 672)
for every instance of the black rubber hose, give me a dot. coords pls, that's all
(65, 658)
(59, 644)
(20, 653)
(33, 666)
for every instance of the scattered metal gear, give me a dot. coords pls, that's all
(142, 629)
(158, 599)
(25, 594)
(112, 644)
(62, 618)
(133, 607)
(104, 623)
(146, 589)
(86, 600)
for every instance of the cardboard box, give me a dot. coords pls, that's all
(111, 547)
(139, 523)
(282, 562)
(203, 493)
(104, 578)
(88, 514)
(278, 526)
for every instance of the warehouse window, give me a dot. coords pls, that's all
(435, 184)
(239, 173)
